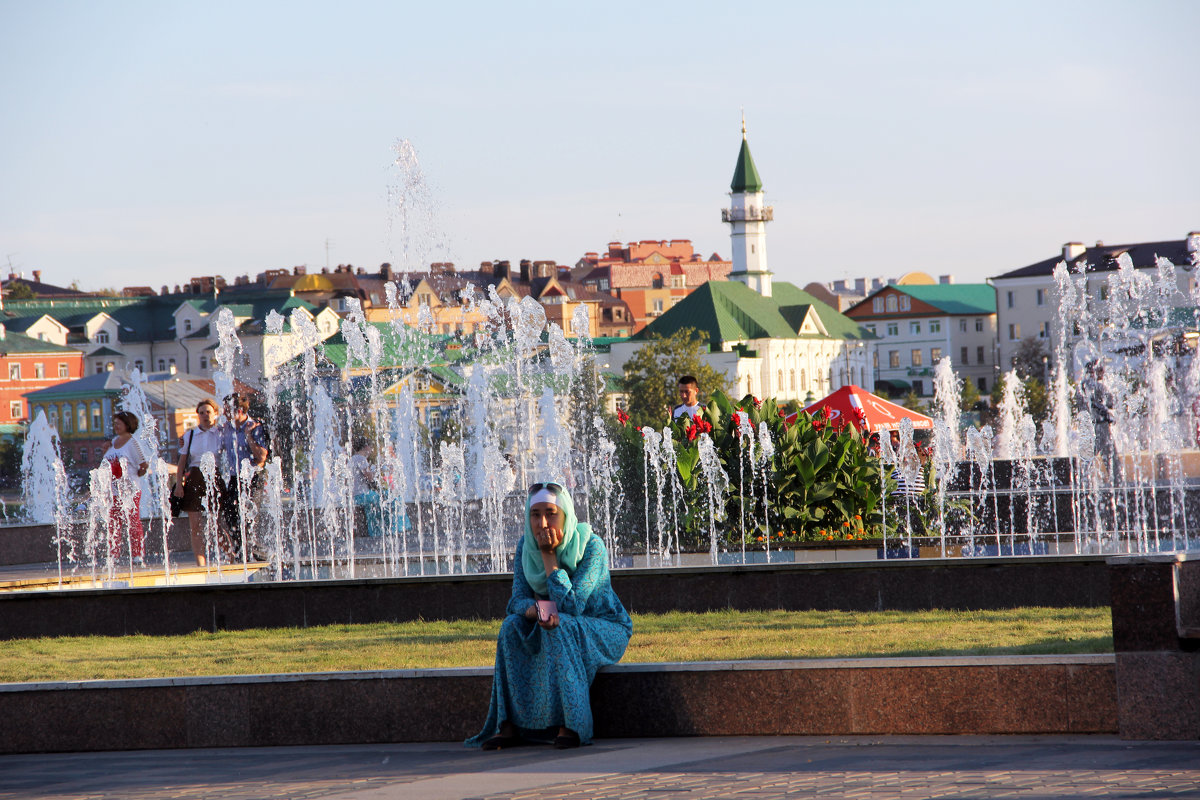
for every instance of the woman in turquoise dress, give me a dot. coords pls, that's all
(545, 666)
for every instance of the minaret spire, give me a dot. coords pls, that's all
(748, 217)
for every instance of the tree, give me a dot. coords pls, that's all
(17, 290)
(1028, 360)
(912, 401)
(652, 375)
(970, 395)
(1037, 400)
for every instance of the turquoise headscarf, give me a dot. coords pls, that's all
(575, 539)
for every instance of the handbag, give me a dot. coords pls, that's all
(177, 502)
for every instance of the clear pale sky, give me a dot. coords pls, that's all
(146, 142)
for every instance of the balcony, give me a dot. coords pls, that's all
(764, 214)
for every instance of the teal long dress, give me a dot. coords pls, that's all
(542, 677)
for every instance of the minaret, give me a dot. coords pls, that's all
(748, 218)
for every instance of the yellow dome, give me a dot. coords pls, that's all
(313, 283)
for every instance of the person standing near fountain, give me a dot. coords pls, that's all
(689, 398)
(190, 485)
(242, 438)
(128, 465)
(1095, 398)
(564, 623)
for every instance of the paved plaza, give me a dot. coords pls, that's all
(1028, 767)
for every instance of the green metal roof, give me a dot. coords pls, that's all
(14, 343)
(745, 175)
(954, 298)
(730, 311)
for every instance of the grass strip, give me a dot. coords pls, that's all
(713, 636)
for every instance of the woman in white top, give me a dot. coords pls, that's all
(128, 465)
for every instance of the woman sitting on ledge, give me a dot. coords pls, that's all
(564, 623)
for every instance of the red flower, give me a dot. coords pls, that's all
(757, 402)
(690, 430)
(622, 417)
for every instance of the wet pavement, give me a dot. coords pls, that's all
(1030, 767)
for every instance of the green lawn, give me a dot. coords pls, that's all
(716, 636)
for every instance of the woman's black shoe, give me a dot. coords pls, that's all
(499, 742)
(567, 742)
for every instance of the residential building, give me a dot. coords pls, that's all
(1027, 299)
(651, 276)
(918, 325)
(769, 338)
(28, 364)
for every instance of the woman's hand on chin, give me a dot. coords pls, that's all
(549, 539)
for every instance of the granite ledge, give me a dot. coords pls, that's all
(659, 667)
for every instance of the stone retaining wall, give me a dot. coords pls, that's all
(981, 695)
(965, 584)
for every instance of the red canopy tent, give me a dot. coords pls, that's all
(864, 409)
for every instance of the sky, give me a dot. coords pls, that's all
(147, 142)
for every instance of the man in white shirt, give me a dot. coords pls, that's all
(689, 398)
(190, 486)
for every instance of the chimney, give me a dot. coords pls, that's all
(1073, 250)
(1193, 244)
(485, 268)
(37, 276)
(860, 286)
(839, 286)
(945, 279)
(385, 271)
(525, 270)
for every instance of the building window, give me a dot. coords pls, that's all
(81, 416)
(1010, 300)
(1014, 331)
(14, 409)
(102, 337)
(935, 326)
(657, 281)
(99, 367)
(891, 303)
(39, 370)
(793, 377)
(98, 452)
(97, 421)
(66, 418)
(870, 328)
(1044, 333)
(109, 366)
(203, 362)
(779, 380)
(919, 387)
(914, 327)
(140, 364)
(804, 380)
(916, 358)
(905, 303)
(963, 355)
(983, 385)
(893, 329)
(875, 359)
(1104, 291)
(893, 358)
(51, 414)
(63, 370)
(877, 305)
(14, 372)
(962, 326)
(979, 324)
(187, 326)
(658, 306)
(935, 355)
(162, 365)
(1041, 297)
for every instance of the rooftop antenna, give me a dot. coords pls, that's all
(743, 122)
(326, 253)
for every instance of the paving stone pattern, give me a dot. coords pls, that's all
(1027, 767)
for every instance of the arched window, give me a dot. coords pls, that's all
(162, 365)
(793, 376)
(891, 303)
(203, 362)
(657, 281)
(97, 421)
(66, 418)
(779, 380)
(187, 326)
(109, 366)
(81, 417)
(803, 380)
(102, 337)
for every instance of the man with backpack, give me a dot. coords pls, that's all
(242, 439)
